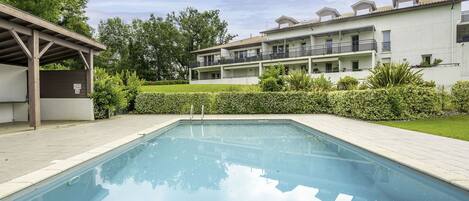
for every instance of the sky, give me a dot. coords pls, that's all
(245, 17)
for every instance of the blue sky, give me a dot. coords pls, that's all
(245, 17)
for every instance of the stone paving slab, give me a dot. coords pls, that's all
(24, 153)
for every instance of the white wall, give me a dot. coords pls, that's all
(443, 76)
(13, 81)
(244, 80)
(67, 109)
(13, 88)
(414, 33)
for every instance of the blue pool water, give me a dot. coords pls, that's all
(244, 161)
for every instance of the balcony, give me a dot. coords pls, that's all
(317, 50)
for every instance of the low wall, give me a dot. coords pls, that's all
(443, 76)
(242, 80)
(67, 109)
(360, 75)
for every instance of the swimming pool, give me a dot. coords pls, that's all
(243, 160)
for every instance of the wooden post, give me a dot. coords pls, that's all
(33, 81)
(90, 72)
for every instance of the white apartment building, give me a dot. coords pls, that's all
(428, 34)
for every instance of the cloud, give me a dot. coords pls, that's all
(245, 17)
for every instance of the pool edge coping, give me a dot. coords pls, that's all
(29, 180)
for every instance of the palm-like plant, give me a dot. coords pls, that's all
(393, 74)
(299, 81)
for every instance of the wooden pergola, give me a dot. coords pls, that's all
(27, 40)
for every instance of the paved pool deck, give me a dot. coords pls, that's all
(31, 156)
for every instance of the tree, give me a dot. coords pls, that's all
(273, 79)
(199, 30)
(66, 13)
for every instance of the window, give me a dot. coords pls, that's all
(328, 67)
(355, 43)
(363, 12)
(209, 60)
(386, 41)
(355, 66)
(258, 52)
(241, 54)
(386, 60)
(329, 46)
(426, 60)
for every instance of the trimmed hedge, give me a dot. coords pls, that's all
(460, 92)
(379, 104)
(271, 103)
(172, 103)
(166, 82)
(386, 104)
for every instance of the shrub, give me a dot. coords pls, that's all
(272, 79)
(347, 83)
(109, 95)
(386, 104)
(271, 103)
(173, 103)
(299, 81)
(132, 84)
(460, 92)
(166, 82)
(392, 75)
(321, 84)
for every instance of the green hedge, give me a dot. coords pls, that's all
(166, 82)
(460, 92)
(271, 103)
(172, 103)
(379, 104)
(386, 104)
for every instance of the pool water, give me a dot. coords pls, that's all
(245, 161)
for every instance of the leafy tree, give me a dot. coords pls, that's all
(273, 79)
(109, 95)
(199, 30)
(66, 13)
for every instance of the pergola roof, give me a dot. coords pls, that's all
(59, 43)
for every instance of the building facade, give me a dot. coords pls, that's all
(428, 34)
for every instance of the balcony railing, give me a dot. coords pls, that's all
(326, 49)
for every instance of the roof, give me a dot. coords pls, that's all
(384, 10)
(252, 41)
(283, 19)
(66, 42)
(364, 4)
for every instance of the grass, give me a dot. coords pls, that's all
(452, 126)
(199, 88)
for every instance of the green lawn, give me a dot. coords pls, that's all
(199, 88)
(452, 126)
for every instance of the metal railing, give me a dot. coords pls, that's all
(324, 49)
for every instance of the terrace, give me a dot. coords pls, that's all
(325, 49)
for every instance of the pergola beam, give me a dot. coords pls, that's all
(44, 49)
(83, 58)
(28, 32)
(20, 43)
